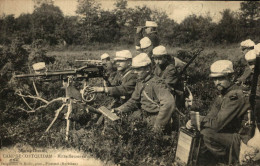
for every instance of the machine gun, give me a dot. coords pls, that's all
(68, 76)
(72, 95)
(195, 54)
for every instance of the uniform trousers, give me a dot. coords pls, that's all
(222, 144)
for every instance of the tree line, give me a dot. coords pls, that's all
(92, 24)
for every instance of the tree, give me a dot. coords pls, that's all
(89, 11)
(46, 21)
(24, 27)
(228, 29)
(250, 19)
(7, 29)
(194, 28)
(70, 30)
(166, 27)
(250, 12)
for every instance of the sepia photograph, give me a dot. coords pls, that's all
(129, 83)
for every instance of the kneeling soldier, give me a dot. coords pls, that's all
(224, 126)
(151, 97)
(110, 69)
(125, 85)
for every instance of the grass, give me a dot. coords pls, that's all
(123, 145)
(232, 52)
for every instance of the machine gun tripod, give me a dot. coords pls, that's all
(71, 94)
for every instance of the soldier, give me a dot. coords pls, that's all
(245, 46)
(125, 84)
(246, 82)
(224, 126)
(165, 66)
(150, 31)
(246, 79)
(151, 94)
(146, 46)
(109, 69)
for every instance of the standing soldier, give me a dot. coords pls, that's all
(225, 125)
(151, 99)
(125, 85)
(150, 31)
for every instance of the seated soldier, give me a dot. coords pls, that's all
(225, 124)
(147, 47)
(126, 79)
(245, 46)
(165, 68)
(151, 97)
(110, 69)
(246, 80)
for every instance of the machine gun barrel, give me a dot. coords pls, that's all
(89, 71)
(46, 74)
(96, 62)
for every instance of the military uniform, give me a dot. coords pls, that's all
(110, 72)
(123, 86)
(152, 36)
(154, 99)
(245, 76)
(221, 128)
(168, 73)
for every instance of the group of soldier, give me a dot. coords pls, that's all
(148, 85)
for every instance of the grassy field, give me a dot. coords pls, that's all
(129, 143)
(231, 52)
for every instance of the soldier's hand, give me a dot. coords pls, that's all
(116, 111)
(189, 125)
(238, 82)
(96, 89)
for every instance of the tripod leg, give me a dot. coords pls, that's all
(68, 120)
(56, 116)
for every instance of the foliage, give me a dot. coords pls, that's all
(127, 142)
(46, 21)
(95, 25)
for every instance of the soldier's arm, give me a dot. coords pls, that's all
(232, 105)
(154, 39)
(125, 89)
(167, 105)
(245, 75)
(132, 103)
(138, 37)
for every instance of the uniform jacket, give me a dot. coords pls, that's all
(159, 100)
(168, 73)
(110, 72)
(228, 111)
(124, 84)
(245, 76)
